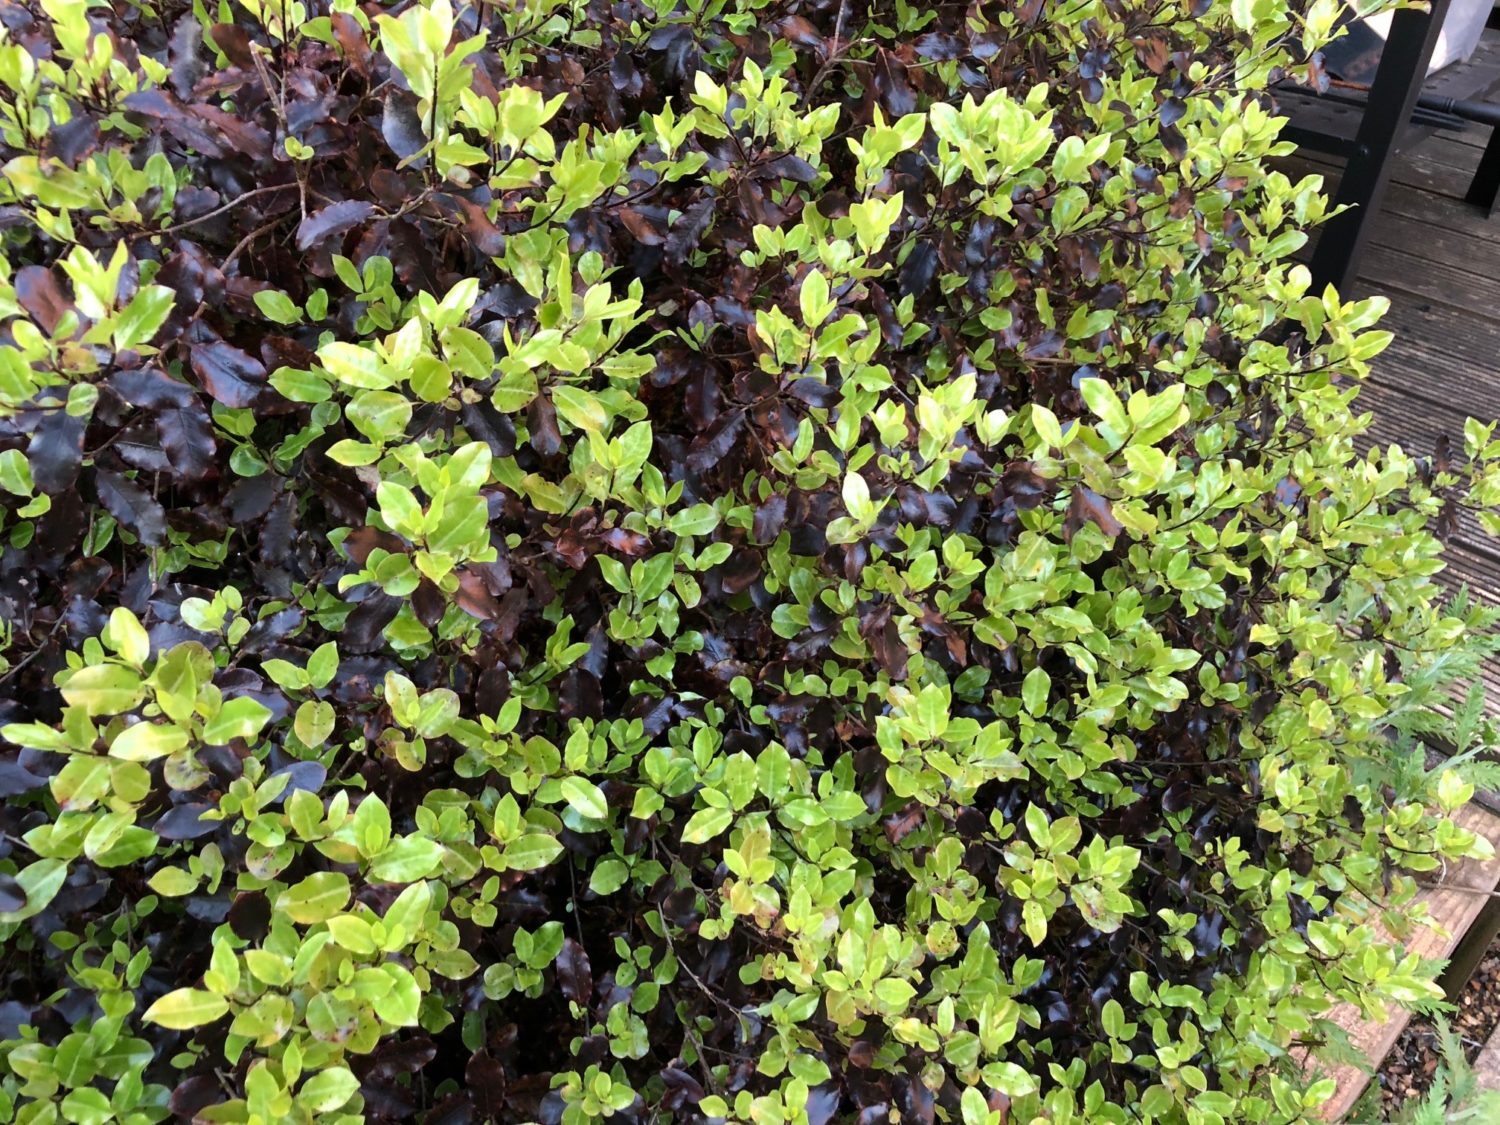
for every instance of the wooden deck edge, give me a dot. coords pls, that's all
(1487, 1063)
(1454, 903)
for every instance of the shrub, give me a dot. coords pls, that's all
(752, 561)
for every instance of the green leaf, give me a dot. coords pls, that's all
(145, 742)
(87, 1106)
(237, 718)
(82, 782)
(530, 852)
(352, 933)
(705, 824)
(1010, 1079)
(1047, 426)
(1035, 690)
(316, 898)
(39, 883)
(579, 408)
(127, 637)
(400, 1005)
(464, 527)
(1103, 401)
(700, 519)
(103, 689)
(773, 772)
(187, 1008)
(277, 306)
(407, 860)
(895, 994)
(314, 722)
(814, 299)
(382, 416)
(399, 508)
(407, 912)
(323, 664)
(300, 386)
(609, 875)
(327, 1090)
(372, 826)
(586, 798)
(353, 366)
(844, 805)
(268, 968)
(172, 882)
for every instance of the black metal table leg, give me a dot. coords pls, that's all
(1485, 186)
(1393, 96)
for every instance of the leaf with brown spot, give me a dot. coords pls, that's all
(1088, 506)
(39, 293)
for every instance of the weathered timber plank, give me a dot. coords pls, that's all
(1403, 271)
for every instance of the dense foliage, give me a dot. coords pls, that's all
(763, 560)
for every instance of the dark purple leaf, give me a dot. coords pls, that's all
(39, 293)
(72, 142)
(234, 41)
(188, 438)
(152, 388)
(56, 452)
(250, 916)
(16, 779)
(792, 168)
(714, 447)
(233, 377)
(918, 270)
(184, 822)
(814, 392)
(363, 628)
(688, 230)
(485, 1078)
(307, 776)
(1088, 506)
(136, 509)
(195, 1094)
(251, 497)
(332, 220)
(574, 975)
(12, 894)
(770, 518)
(401, 126)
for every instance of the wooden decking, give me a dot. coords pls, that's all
(1438, 260)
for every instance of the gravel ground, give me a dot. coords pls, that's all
(1408, 1069)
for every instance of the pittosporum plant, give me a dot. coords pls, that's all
(697, 560)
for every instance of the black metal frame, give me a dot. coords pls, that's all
(1484, 188)
(1393, 97)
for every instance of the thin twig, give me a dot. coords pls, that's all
(240, 246)
(58, 624)
(835, 51)
(216, 212)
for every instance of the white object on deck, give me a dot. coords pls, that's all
(1462, 28)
